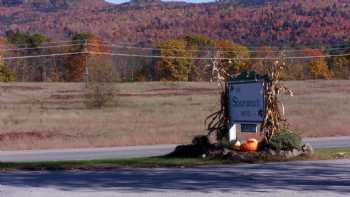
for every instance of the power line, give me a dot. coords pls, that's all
(217, 58)
(45, 43)
(214, 49)
(134, 46)
(145, 48)
(40, 56)
(41, 47)
(173, 57)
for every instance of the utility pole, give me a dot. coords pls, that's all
(214, 67)
(86, 52)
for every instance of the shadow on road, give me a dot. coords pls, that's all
(298, 176)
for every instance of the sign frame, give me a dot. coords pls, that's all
(240, 82)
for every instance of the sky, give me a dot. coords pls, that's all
(192, 1)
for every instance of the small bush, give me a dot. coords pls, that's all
(201, 140)
(285, 140)
(5, 74)
(98, 95)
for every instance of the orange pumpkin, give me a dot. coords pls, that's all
(250, 145)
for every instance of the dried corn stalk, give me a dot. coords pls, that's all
(274, 120)
(217, 122)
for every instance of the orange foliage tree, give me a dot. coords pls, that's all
(3, 44)
(78, 65)
(317, 67)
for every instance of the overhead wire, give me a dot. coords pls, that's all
(218, 58)
(40, 56)
(112, 46)
(172, 57)
(213, 49)
(129, 45)
(40, 47)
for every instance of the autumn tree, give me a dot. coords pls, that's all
(262, 61)
(231, 58)
(31, 69)
(175, 62)
(3, 45)
(90, 61)
(5, 74)
(317, 67)
(203, 47)
(266, 56)
(75, 65)
(22, 39)
(339, 64)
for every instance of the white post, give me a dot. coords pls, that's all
(233, 133)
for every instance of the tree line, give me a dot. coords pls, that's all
(190, 58)
(295, 23)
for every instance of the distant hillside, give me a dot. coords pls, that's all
(49, 4)
(289, 22)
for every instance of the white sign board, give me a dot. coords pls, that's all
(246, 102)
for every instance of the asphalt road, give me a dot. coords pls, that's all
(308, 178)
(129, 152)
(329, 142)
(85, 154)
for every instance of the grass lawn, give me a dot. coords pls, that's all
(152, 162)
(53, 115)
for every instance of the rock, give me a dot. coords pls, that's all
(288, 154)
(237, 143)
(215, 152)
(281, 153)
(190, 151)
(296, 153)
(272, 152)
(226, 151)
(243, 156)
(234, 156)
(308, 150)
(341, 155)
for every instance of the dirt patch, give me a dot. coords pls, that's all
(21, 88)
(69, 91)
(169, 90)
(66, 96)
(173, 92)
(30, 135)
(61, 102)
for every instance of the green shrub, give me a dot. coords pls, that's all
(223, 138)
(285, 140)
